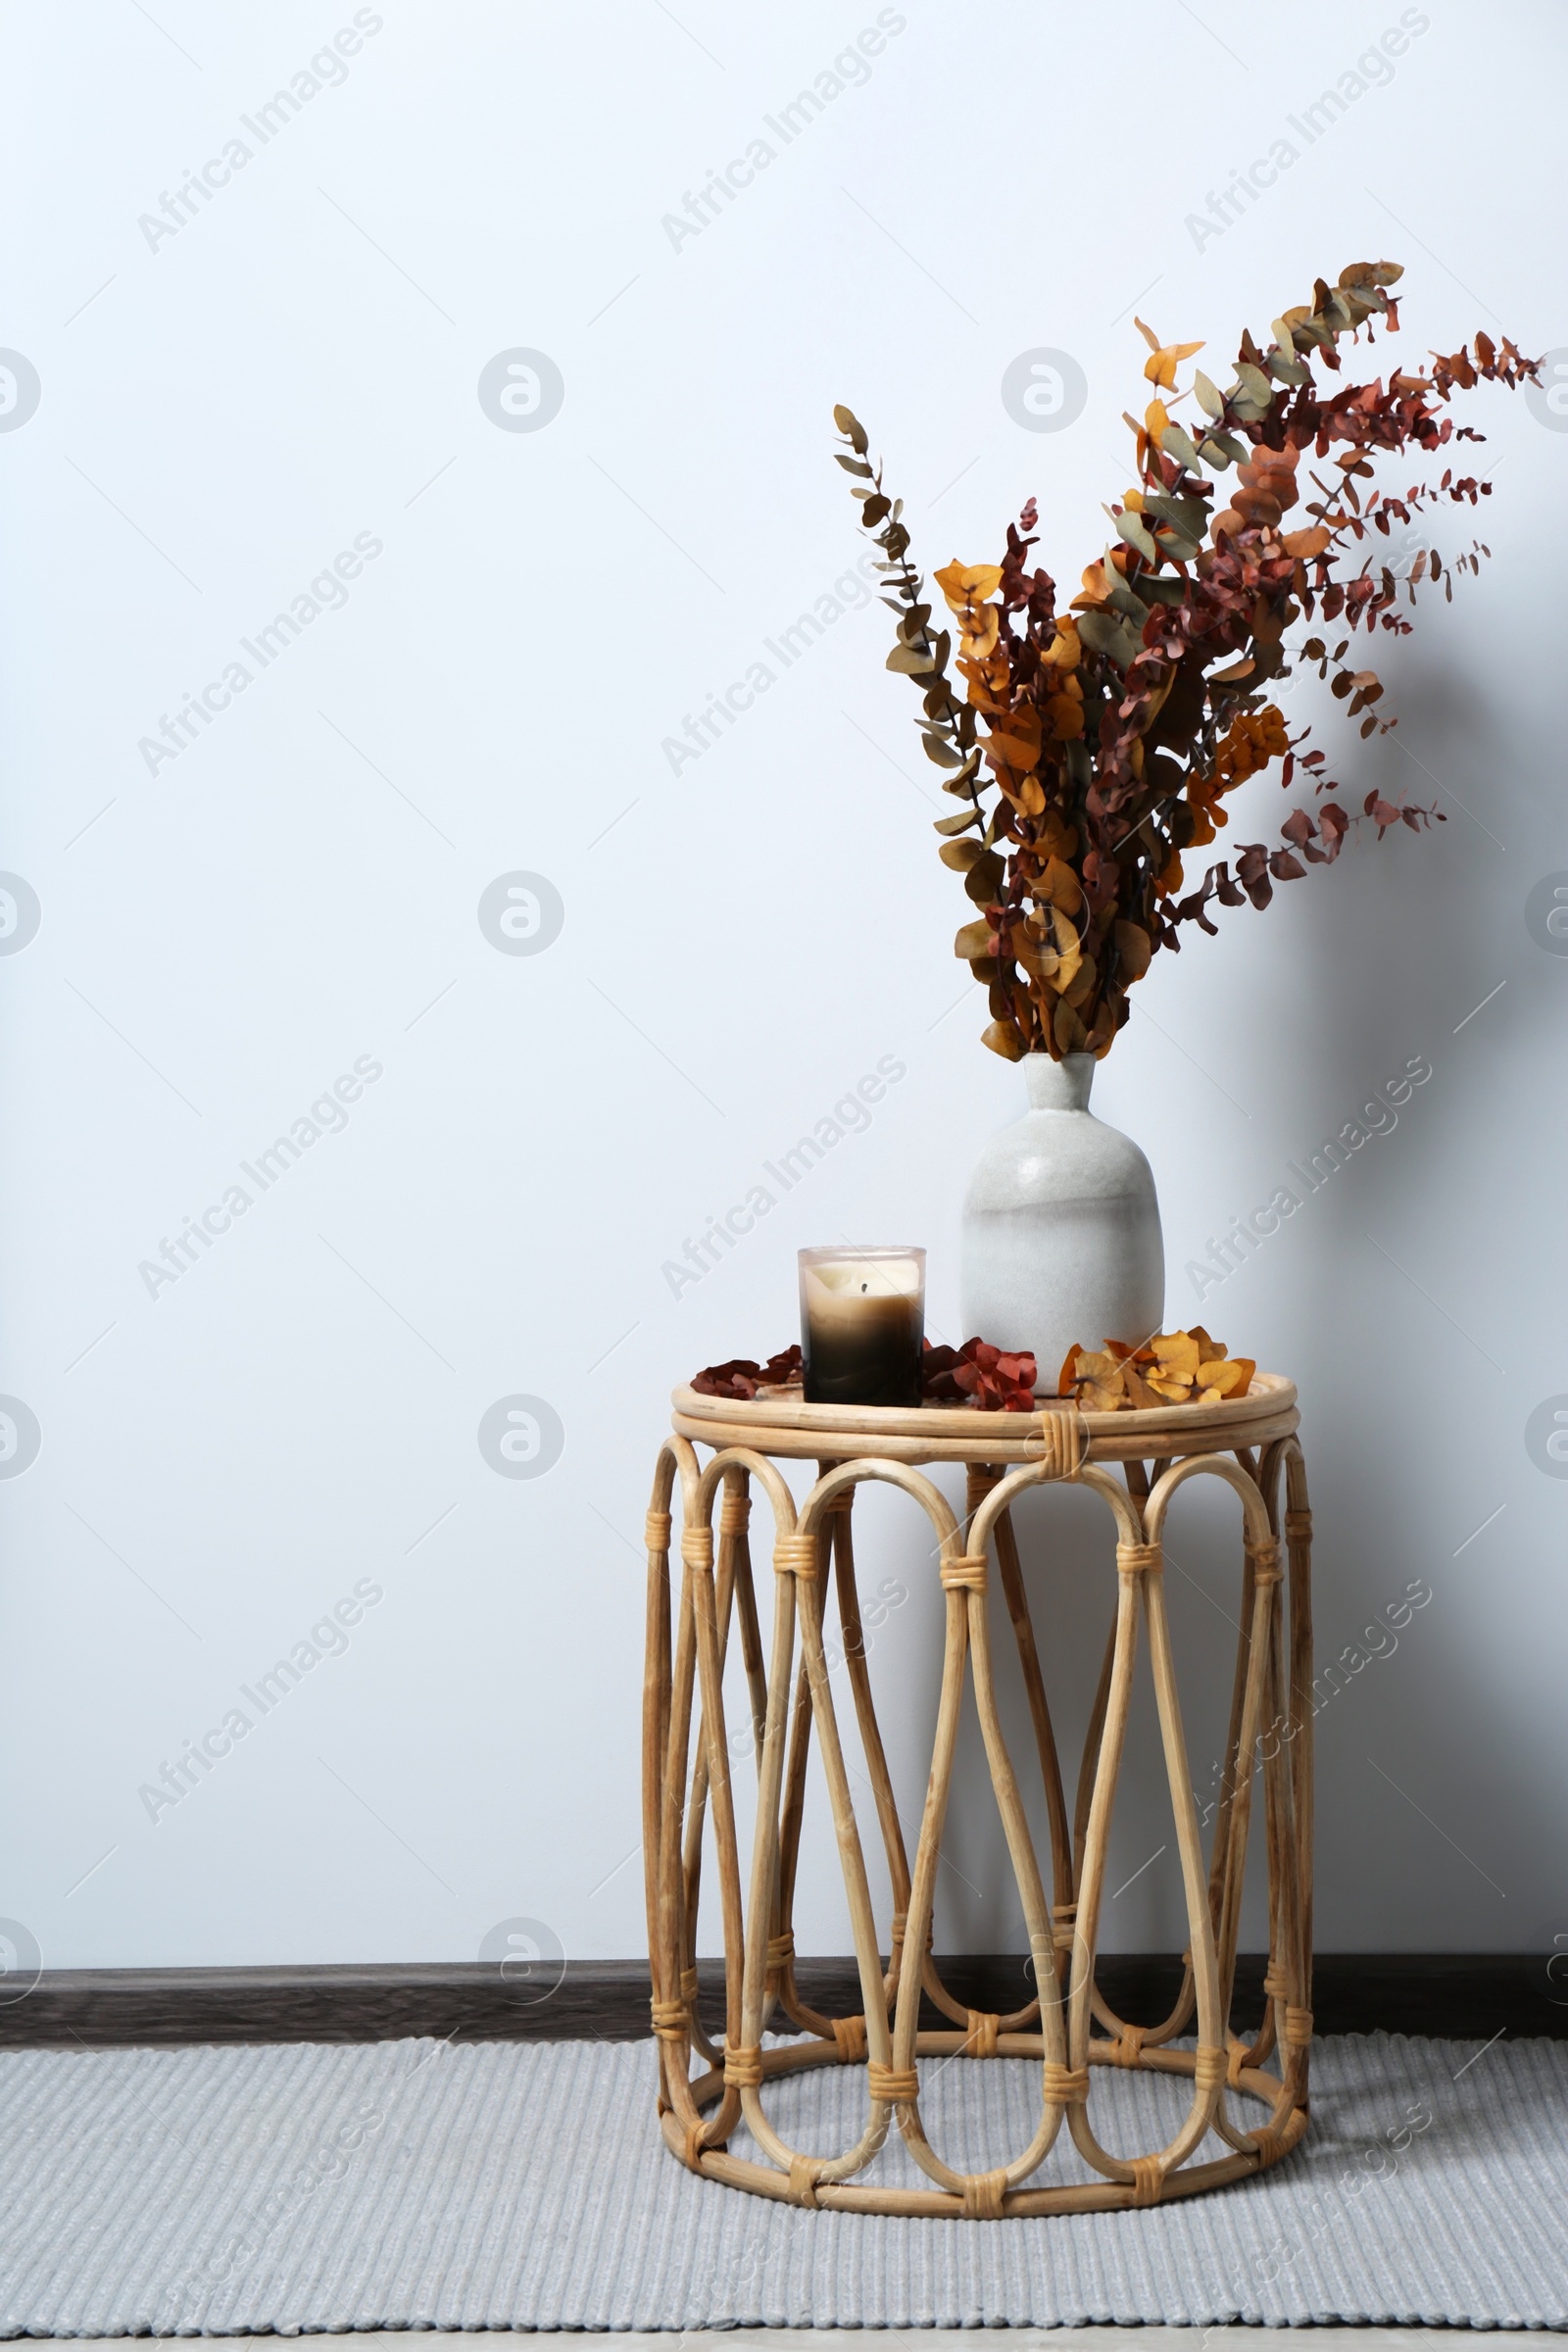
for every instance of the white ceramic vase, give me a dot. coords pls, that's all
(1062, 1239)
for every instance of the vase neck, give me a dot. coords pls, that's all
(1059, 1085)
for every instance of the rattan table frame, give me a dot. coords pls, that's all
(706, 2088)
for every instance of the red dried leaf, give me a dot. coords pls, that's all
(741, 1377)
(980, 1376)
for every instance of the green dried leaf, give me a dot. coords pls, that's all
(915, 665)
(1289, 371)
(1188, 516)
(1174, 442)
(1207, 395)
(1127, 603)
(1113, 638)
(1129, 528)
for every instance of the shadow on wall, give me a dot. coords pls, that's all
(1368, 1300)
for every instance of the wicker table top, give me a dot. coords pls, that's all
(780, 1422)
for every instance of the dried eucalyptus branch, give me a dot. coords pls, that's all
(1115, 728)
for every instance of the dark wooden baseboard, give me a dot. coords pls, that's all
(1458, 1995)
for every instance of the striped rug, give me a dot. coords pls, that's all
(507, 2184)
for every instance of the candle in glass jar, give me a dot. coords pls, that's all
(862, 1325)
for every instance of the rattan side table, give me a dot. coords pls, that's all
(707, 2088)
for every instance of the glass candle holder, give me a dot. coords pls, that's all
(862, 1325)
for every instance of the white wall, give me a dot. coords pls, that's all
(223, 411)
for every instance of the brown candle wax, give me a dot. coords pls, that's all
(862, 1318)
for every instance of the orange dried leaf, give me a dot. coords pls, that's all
(967, 583)
(1003, 1039)
(1096, 589)
(1135, 947)
(1101, 1388)
(1095, 1376)
(1176, 1353)
(1060, 886)
(1015, 740)
(1160, 366)
(978, 631)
